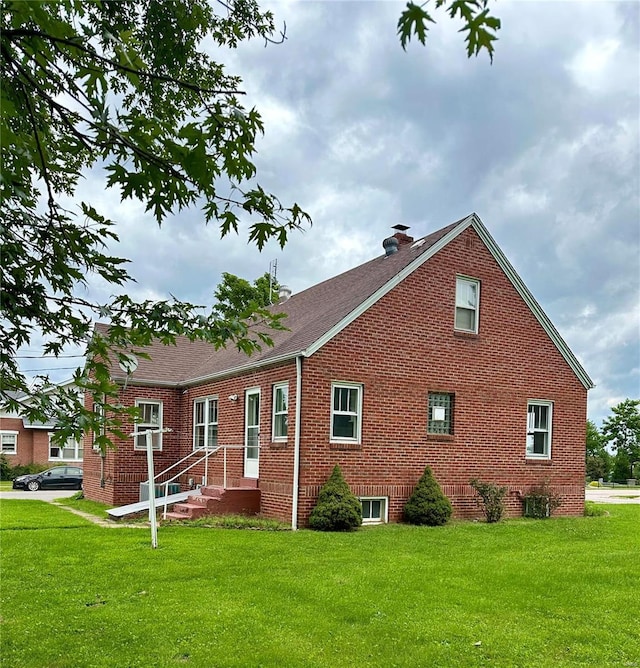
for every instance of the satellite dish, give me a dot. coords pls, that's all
(128, 363)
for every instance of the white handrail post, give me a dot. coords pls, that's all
(166, 493)
(206, 466)
(152, 489)
(224, 470)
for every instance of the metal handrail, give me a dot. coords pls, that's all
(205, 457)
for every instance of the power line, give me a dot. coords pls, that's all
(52, 368)
(41, 357)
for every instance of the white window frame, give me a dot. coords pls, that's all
(207, 401)
(384, 510)
(467, 281)
(14, 434)
(275, 414)
(98, 410)
(78, 450)
(532, 430)
(357, 413)
(143, 426)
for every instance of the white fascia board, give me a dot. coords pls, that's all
(387, 287)
(531, 302)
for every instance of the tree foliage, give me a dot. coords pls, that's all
(236, 297)
(622, 429)
(126, 86)
(130, 87)
(427, 504)
(479, 24)
(337, 508)
(598, 460)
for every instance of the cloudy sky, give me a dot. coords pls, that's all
(543, 145)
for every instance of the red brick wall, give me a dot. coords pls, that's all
(404, 347)
(125, 468)
(400, 349)
(24, 449)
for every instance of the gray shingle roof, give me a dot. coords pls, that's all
(319, 312)
(310, 315)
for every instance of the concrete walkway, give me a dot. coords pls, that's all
(613, 495)
(50, 496)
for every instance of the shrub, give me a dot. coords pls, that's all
(592, 510)
(491, 498)
(427, 504)
(337, 508)
(540, 501)
(8, 472)
(5, 468)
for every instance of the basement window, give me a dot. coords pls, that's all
(374, 510)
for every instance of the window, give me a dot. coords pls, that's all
(280, 412)
(440, 413)
(467, 300)
(98, 410)
(150, 418)
(539, 420)
(374, 510)
(71, 451)
(205, 423)
(346, 412)
(9, 442)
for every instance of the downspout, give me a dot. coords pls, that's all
(296, 446)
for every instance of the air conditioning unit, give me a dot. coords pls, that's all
(173, 488)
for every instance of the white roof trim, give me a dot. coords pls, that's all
(387, 287)
(531, 302)
(474, 221)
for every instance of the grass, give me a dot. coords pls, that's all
(6, 485)
(560, 592)
(78, 502)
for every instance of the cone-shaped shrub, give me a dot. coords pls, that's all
(337, 508)
(427, 505)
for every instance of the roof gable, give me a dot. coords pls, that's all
(317, 314)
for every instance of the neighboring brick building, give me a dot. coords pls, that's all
(23, 442)
(434, 353)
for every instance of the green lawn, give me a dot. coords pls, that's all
(561, 592)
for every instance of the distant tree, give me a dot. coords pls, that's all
(337, 508)
(622, 429)
(598, 460)
(237, 298)
(427, 504)
(621, 466)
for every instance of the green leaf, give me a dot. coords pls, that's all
(413, 21)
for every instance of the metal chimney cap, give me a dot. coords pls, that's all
(400, 228)
(284, 293)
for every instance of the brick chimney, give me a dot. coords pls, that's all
(401, 235)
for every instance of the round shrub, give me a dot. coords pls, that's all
(427, 505)
(337, 508)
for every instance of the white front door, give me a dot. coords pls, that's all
(251, 433)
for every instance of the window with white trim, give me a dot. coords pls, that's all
(71, 451)
(346, 412)
(374, 510)
(205, 422)
(280, 423)
(9, 442)
(539, 423)
(150, 418)
(99, 412)
(467, 302)
(440, 413)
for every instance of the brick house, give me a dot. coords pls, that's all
(433, 353)
(24, 442)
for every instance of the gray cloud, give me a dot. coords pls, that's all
(543, 145)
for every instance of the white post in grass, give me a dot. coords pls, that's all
(148, 434)
(152, 489)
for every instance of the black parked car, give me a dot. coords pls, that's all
(60, 477)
